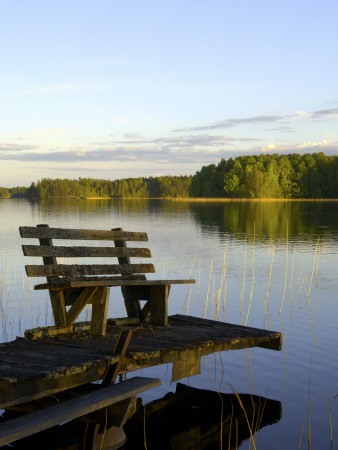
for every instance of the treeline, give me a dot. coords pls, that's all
(269, 176)
(255, 176)
(19, 191)
(159, 187)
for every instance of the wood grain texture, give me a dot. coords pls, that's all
(159, 304)
(99, 312)
(78, 252)
(45, 363)
(74, 270)
(50, 416)
(107, 281)
(131, 302)
(80, 234)
(82, 300)
(58, 306)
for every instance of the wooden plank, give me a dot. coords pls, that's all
(64, 283)
(108, 281)
(233, 328)
(73, 270)
(99, 313)
(32, 388)
(79, 234)
(50, 416)
(85, 252)
(82, 300)
(124, 282)
(55, 355)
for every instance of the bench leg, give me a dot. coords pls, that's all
(159, 304)
(58, 305)
(99, 311)
(132, 301)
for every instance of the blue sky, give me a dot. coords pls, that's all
(113, 89)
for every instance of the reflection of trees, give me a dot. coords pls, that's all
(191, 418)
(109, 206)
(307, 219)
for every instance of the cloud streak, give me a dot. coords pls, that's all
(182, 141)
(230, 123)
(326, 113)
(8, 148)
(267, 119)
(185, 156)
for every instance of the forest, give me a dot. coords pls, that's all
(159, 187)
(269, 176)
(254, 176)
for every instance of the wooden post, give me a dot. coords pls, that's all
(119, 350)
(100, 303)
(159, 304)
(56, 297)
(132, 303)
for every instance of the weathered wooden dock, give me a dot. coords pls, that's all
(47, 373)
(43, 364)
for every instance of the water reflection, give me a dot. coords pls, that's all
(192, 418)
(306, 220)
(188, 418)
(302, 276)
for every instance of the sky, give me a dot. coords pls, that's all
(115, 89)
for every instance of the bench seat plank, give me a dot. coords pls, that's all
(85, 252)
(50, 416)
(73, 270)
(56, 285)
(62, 233)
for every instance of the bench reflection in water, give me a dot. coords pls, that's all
(188, 418)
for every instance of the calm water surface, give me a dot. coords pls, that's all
(271, 265)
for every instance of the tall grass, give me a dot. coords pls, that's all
(286, 265)
(253, 273)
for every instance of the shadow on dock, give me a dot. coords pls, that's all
(190, 418)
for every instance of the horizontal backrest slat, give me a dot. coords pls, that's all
(83, 252)
(74, 270)
(61, 233)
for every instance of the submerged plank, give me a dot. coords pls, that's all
(34, 422)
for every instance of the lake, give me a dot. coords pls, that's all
(265, 264)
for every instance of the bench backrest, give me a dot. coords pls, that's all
(49, 252)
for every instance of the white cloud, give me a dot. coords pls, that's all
(269, 147)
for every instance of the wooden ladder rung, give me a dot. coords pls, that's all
(31, 423)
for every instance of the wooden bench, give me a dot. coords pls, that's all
(76, 285)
